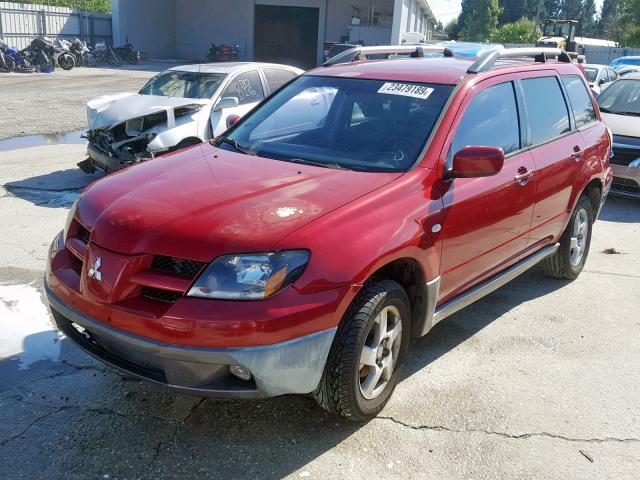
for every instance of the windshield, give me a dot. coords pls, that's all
(592, 73)
(368, 125)
(183, 84)
(622, 97)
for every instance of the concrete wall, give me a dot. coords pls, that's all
(199, 23)
(149, 24)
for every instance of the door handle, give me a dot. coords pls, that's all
(577, 153)
(523, 175)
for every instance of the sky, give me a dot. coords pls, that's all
(447, 10)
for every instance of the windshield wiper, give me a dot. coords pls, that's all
(237, 146)
(303, 161)
(633, 114)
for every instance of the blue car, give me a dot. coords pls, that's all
(623, 61)
(470, 49)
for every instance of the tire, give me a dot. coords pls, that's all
(569, 260)
(9, 65)
(90, 59)
(115, 60)
(79, 60)
(66, 62)
(25, 67)
(348, 387)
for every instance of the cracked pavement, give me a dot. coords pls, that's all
(538, 380)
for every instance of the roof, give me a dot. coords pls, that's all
(226, 67)
(443, 70)
(594, 65)
(428, 69)
(632, 76)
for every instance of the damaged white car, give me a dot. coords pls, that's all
(177, 108)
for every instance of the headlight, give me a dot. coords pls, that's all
(72, 213)
(250, 276)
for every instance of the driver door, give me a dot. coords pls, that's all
(247, 88)
(487, 220)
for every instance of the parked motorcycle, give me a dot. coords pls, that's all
(40, 53)
(103, 53)
(62, 54)
(79, 50)
(223, 53)
(127, 53)
(7, 63)
(22, 64)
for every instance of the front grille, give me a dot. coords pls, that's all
(83, 234)
(625, 185)
(624, 156)
(178, 266)
(160, 295)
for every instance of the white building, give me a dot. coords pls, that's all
(287, 31)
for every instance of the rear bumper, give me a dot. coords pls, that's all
(294, 366)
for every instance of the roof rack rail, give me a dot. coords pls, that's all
(361, 53)
(487, 61)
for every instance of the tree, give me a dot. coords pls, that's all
(607, 23)
(452, 29)
(587, 25)
(520, 31)
(478, 19)
(514, 10)
(103, 6)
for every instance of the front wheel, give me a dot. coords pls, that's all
(8, 64)
(367, 353)
(66, 62)
(569, 260)
(90, 59)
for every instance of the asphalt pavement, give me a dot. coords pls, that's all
(538, 380)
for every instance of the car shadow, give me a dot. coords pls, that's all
(459, 327)
(57, 189)
(621, 209)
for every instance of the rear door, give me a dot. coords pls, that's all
(277, 77)
(248, 89)
(557, 149)
(487, 220)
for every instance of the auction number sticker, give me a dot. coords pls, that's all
(406, 90)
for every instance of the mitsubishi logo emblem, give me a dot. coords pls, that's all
(94, 272)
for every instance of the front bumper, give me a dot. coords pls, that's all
(294, 366)
(109, 164)
(626, 181)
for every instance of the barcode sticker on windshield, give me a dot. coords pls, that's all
(406, 90)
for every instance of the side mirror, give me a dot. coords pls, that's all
(232, 120)
(473, 162)
(601, 81)
(226, 102)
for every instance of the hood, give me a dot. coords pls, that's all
(203, 202)
(625, 125)
(108, 110)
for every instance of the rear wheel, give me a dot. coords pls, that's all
(90, 59)
(367, 353)
(115, 60)
(569, 260)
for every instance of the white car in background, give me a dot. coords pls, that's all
(599, 76)
(177, 108)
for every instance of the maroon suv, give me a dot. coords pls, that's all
(355, 208)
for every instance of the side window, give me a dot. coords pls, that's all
(548, 114)
(491, 119)
(276, 77)
(580, 101)
(613, 75)
(246, 87)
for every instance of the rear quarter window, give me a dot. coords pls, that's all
(583, 110)
(547, 110)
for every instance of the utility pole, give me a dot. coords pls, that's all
(538, 12)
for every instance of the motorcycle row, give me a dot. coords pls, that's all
(44, 55)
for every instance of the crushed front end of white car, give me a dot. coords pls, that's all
(126, 128)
